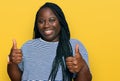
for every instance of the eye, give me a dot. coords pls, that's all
(41, 21)
(52, 20)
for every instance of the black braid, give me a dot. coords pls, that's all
(64, 48)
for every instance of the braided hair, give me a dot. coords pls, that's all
(64, 48)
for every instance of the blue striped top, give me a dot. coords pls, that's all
(38, 56)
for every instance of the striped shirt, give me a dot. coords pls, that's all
(38, 56)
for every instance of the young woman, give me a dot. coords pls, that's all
(52, 55)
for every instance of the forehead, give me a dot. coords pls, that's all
(45, 12)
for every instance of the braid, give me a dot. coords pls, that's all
(64, 48)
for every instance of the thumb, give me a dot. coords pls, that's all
(77, 53)
(14, 44)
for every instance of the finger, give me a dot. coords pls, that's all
(17, 62)
(19, 58)
(75, 62)
(69, 59)
(16, 59)
(14, 44)
(17, 51)
(77, 52)
(69, 63)
(70, 67)
(75, 67)
(17, 55)
(14, 56)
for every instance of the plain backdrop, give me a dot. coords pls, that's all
(96, 23)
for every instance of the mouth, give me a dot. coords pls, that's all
(48, 32)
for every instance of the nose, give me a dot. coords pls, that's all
(46, 24)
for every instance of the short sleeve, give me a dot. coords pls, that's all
(83, 52)
(82, 49)
(21, 64)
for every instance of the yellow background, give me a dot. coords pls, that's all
(95, 22)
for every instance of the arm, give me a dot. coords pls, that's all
(84, 74)
(15, 58)
(77, 64)
(14, 72)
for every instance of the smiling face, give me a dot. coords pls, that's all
(48, 25)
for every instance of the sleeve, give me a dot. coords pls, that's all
(21, 64)
(24, 50)
(83, 52)
(82, 49)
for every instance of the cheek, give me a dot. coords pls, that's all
(57, 25)
(54, 24)
(39, 26)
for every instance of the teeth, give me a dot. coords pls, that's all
(48, 31)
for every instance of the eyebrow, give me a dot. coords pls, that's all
(48, 18)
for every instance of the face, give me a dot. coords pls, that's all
(48, 25)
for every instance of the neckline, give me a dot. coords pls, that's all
(48, 41)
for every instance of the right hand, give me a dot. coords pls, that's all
(15, 55)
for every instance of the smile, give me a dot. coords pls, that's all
(48, 32)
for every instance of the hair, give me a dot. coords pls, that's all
(64, 48)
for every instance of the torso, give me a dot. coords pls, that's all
(38, 56)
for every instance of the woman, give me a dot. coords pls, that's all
(51, 55)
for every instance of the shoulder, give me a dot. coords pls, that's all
(82, 49)
(75, 41)
(81, 45)
(30, 42)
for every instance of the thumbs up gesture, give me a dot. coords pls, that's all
(75, 63)
(15, 54)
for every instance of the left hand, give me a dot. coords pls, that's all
(75, 63)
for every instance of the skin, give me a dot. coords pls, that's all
(49, 27)
(15, 58)
(77, 64)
